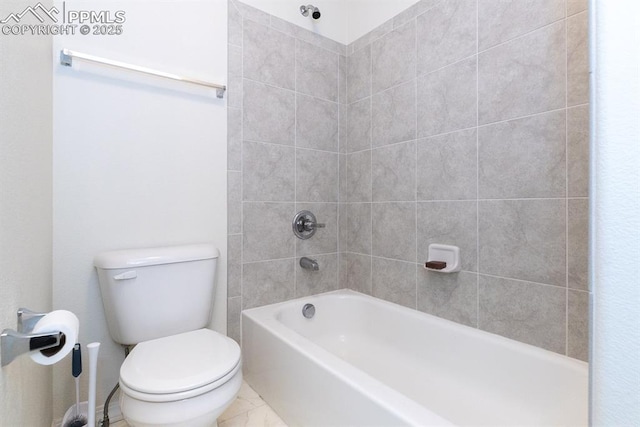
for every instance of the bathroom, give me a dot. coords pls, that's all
(113, 160)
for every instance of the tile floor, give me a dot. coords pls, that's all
(249, 410)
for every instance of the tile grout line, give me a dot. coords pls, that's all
(342, 186)
(276, 144)
(294, 36)
(421, 138)
(241, 195)
(382, 202)
(339, 175)
(228, 196)
(566, 179)
(289, 90)
(521, 36)
(346, 177)
(477, 165)
(295, 157)
(371, 39)
(415, 192)
(242, 171)
(260, 261)
(478, 51)
(371, 168)
(390, 88)
(475, 272)
(520, 199)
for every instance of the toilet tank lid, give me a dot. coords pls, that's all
(129, 258)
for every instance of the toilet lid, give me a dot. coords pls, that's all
(179, 362)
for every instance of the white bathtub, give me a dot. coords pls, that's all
(361, 361)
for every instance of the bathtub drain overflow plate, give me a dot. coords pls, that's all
(308, 311)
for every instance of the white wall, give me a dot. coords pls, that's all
(615, 220)
(342, 20)
(365, 15)
(332, 23)
(25, 212)
(137, 161)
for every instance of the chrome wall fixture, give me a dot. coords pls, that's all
(66, 59)
(315, 12)
(15, 343)
(305, 225)
(309, 264)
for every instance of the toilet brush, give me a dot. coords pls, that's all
(94, 348)
(78, 419)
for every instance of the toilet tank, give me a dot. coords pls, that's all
(156, 292)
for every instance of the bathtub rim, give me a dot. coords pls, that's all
(412, 412)
(262, 314)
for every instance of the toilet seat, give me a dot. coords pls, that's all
(179, 366)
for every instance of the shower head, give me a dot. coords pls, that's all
(315, 12)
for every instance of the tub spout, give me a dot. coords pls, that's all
(309, 264)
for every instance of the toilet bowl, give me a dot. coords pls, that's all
(160, 299)
(187, 379)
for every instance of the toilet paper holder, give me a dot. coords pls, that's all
(15, 343)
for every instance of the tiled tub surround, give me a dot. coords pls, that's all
(466, 123)
(286, 85)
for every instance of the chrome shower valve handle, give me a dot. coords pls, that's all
(309, 225)
(305, 225)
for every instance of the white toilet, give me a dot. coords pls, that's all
(179, 373)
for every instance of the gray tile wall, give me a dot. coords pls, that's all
(286, 86)
(468, 125)
(458, 121)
